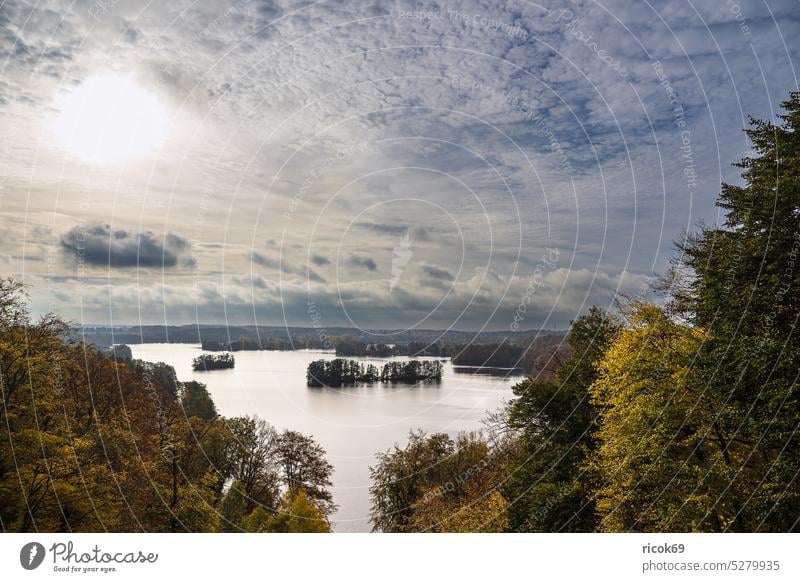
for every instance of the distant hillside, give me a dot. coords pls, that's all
(104, 336)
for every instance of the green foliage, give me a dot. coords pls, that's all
(555, 419)
(436, 483)
(159, 373)
(299, 514)
(196, 400)
(412, 371)
(233, 508)
(340, 372)
(741, 283)
(257, 521)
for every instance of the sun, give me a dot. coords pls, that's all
(109, 119)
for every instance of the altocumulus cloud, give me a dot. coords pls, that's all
(98, 245)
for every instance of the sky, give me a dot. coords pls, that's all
(467, 164)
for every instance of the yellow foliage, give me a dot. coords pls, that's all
(655, 463)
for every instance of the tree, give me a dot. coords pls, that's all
(253, 460)
(436, 483)
(315, 374)
(205, 362)
(658, 463)
(476, 512)
(305, 516)
(79, 428)
(160, 373)
(303, 466)
(196, 400)
(549, 490)
(740, 282)
(93, 443)
(297, 513)
(233, 508)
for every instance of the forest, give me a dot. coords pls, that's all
(537, 355)
(247, 344)
(92, 443)
(681, 416)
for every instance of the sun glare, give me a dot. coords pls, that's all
(110, 119)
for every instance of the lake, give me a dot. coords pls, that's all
(351, 423)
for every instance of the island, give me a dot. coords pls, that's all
(206, 362)
(342, 372)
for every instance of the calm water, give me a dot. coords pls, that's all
(352, 423)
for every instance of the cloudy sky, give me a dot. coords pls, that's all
(383, 164)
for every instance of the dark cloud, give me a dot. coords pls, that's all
(320, 261)
(367, 263)
(98, 245)
(421, 234)
(436, 272)
(416, 233)
(312, 275)
(265, 261)
(378, 228)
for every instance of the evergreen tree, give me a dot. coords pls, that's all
(196, 400)
(740, 282)
(549, 491)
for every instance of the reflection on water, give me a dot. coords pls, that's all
(352, 423)
(488, 371)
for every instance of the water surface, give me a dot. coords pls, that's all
(351, 423)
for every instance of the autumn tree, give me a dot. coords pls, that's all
(659, 462)
(439, 484)
(254, 460)
(98, 443)
(297, 513)
(303, 466)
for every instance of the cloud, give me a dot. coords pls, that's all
(98, 245)
(312, 275)
(284, 267)
(492, 129)
(265, 261)
(437, 272)
(320, 261)
(394, 231)
(361, 262)
(383, 229)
